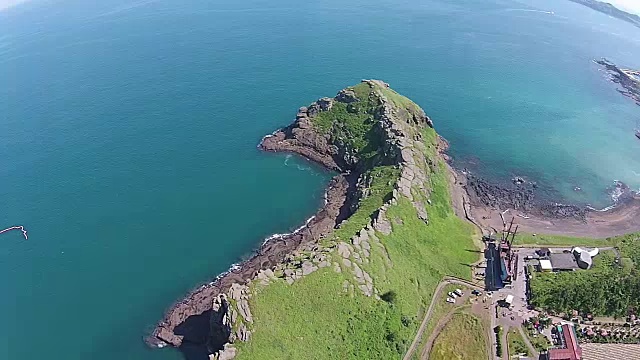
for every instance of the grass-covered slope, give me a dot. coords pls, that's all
(461, 339)
(327, 314)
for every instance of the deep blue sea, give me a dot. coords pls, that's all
(130, 131)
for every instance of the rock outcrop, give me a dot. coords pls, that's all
(629, 80)
(519, 195)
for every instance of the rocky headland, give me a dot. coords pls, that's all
(606, 8)
(629, 80)
(364, 133)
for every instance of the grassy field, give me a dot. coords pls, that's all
(558, 240)
(316, 318)
(517, 345)
(440, 309)
(462, 339)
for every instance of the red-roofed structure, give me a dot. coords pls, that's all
(571, 350)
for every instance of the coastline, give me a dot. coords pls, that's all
(189, 320)
(272, 251)
(338, 203)
(489, 213)
(615, 220)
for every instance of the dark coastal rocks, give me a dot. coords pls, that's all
(501, 197)
(220, 324)
(199, 301)
(300, 138)
(519, 196)
(555, 210)
(629, 80)
(621, 192)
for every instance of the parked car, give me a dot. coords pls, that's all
(476, 292)
(452, 295)
(451, 301)
(458, 292)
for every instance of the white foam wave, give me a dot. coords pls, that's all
(617, 191)
(266, 137)
(126, 8)
(610, 207)
(280, 236)
(298, 166)
(532, 10)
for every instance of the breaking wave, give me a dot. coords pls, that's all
(297, 230)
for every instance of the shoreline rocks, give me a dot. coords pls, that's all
(630, 86)
(521, 196)
(268, 255)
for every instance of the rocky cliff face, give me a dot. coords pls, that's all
(361, 128)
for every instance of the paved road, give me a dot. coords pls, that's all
(505, 342)
(427, 316)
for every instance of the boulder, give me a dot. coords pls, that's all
(381, 224)
(325, 103)
(346, 96)
(343, 250)
(308, 268)
(228, 353)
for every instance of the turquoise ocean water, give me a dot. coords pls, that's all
(130, 131)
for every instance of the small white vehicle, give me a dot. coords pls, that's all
(451, 300)
(458, 292)
(452, 295)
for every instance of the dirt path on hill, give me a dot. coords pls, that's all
(534, 353)
(427, 316)
(505, 342)
(436, 332)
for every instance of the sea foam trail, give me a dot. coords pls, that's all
(532, 10)
(17, 227)
(603, 209)
(236, 266)
(279, 236)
